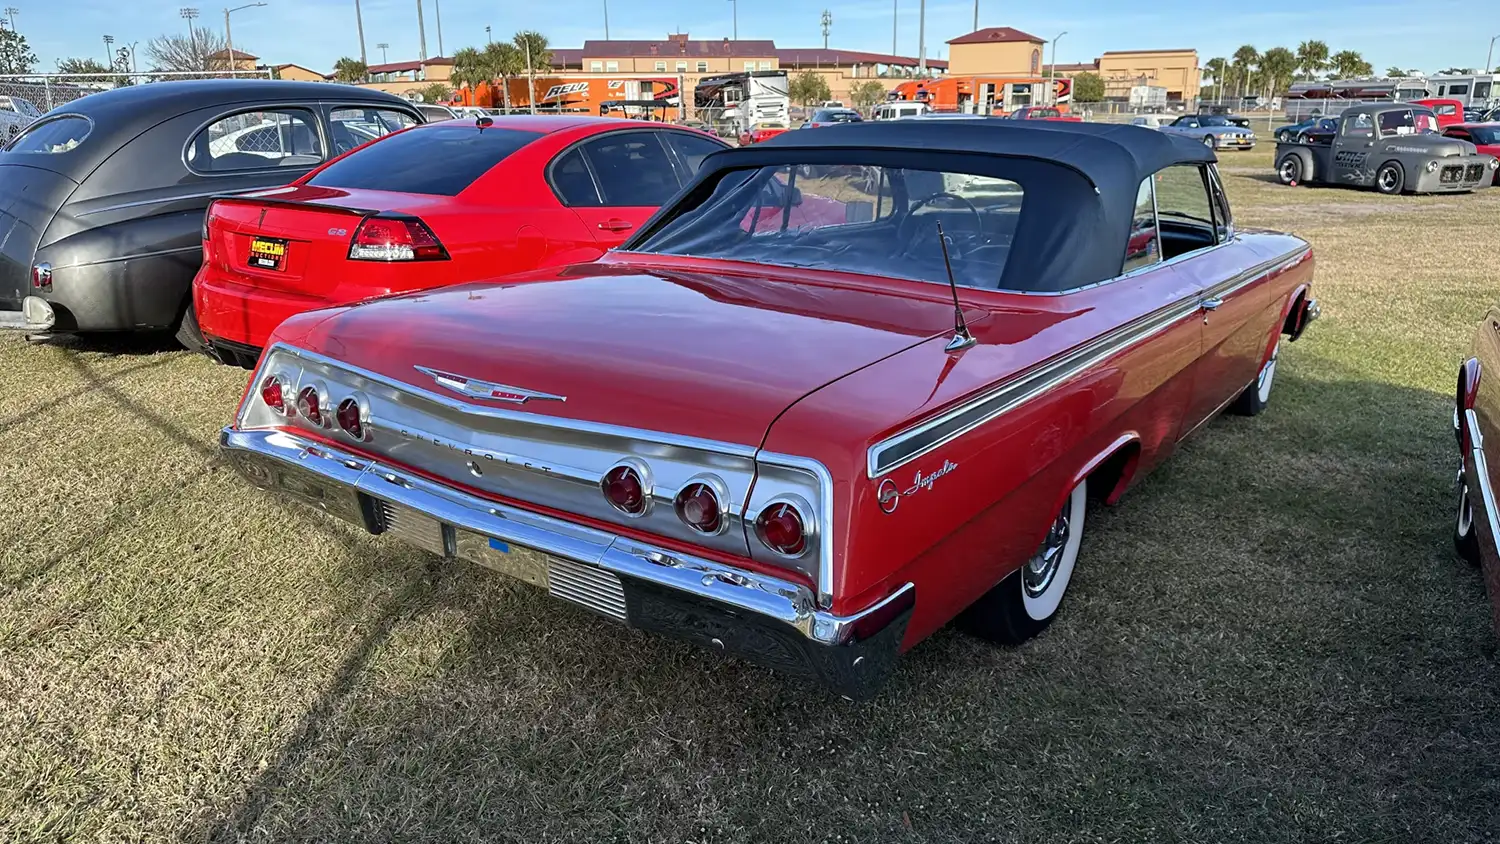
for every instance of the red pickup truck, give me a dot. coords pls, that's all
(1042, 113)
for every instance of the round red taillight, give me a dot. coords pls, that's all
(698, 507)
(350, 418)
(625, 490)
(270, 393)
(309, 405)
(781, 528)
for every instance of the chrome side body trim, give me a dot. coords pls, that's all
(896, 451)
(1481, 480)
(339, 482)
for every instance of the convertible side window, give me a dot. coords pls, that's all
(1184, 209)
(1144, 246)
(257, 140)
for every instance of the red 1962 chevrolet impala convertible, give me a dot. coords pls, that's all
(808, 439)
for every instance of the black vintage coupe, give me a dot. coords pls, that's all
(102, 200)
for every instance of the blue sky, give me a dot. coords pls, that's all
(1430, 34)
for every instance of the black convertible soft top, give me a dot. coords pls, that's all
(1080, 181)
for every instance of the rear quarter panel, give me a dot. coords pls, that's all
(1486, 349)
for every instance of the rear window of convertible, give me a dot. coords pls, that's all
(872, 220)
(59, 134)
(442, 159)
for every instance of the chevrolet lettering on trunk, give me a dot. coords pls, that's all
(851, 386)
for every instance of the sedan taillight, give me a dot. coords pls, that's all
(393, 238)
(782, 528)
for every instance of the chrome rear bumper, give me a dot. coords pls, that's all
(768, 620)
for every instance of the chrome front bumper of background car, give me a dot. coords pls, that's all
(768, 620)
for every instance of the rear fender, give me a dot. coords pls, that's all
(1125, 450)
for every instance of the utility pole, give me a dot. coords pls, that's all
(359, 23)
(606, 20)
(895, 24)
(1052, 70)
(109, 51)
(188, 14)
(922, 38)
(487, 38)
(382, 47)
(11, 12)
(1488, 60)
(736, 4)
(530, 80)
(421, 34)
(229, 37)
(437, 9)
(976, 16)
(827, 25)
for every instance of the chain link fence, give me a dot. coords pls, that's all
(46, 91)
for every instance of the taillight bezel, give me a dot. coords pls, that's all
(409, 220)
(321, 393)
(362, 408)
(1465, 397)
(647, 483)
(720, 491)
(288, 398)
(805, 514)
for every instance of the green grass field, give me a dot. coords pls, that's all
(1269, 640)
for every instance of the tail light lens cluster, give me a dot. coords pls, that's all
(351, 415)
(395, 238)
(703, 505)
(1468, 395)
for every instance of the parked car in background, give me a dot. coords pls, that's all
(832, 117)
(1041, 113)
(1151, 121)
(436, 205)
(1322, 131)
(1484, 136)
(899, 109)
(1476, 422)
(1311, 126)
(762, 132)
(111, 232)
(434, 113)
(1385, 146)
(1448, 112)
(1213, 131)
(785, 442)
(16, 113)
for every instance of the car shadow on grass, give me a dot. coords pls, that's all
(1268, 640)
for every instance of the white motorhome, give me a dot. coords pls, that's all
(735, 103)
(1479, 90)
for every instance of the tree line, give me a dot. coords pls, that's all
(1249, 71)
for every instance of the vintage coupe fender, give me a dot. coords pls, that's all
(808, 439)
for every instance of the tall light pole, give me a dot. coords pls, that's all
(188, 14)
(382, 47)
(530, 80)
(1487, 59)
(109, 52)
(736, 4)
(133, 68)
(437, 9)
(606, 20)
(229, 38)
(827, 26)
(976, 15)
(359, 24)
(895, 24)
(1052, 69)
(922, 38)
(487, 38)
(421, 34)
(10, 13)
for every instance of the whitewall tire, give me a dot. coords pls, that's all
(1258, 395)
(1465, 542)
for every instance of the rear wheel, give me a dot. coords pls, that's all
(1390, 179)
(1256, 396)
(1284, 137)
(1023, 604)
(1289, 170)
(1208, 141)
(187, 331)
(1464, 540)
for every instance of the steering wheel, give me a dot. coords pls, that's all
(906, 237)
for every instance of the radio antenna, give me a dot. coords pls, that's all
(962, 339)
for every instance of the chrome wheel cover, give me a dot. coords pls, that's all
(1388, 181)
(1267, 376)
(1042, 569)
(1465, 511)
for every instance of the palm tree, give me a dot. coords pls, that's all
(504, 61)
(1245, 59)
(1394, 71)
(469, 69)
(1312, 57)
(347, 69)
(1349, 64)
(535, 52)
(1218, 68)
(1279, 65)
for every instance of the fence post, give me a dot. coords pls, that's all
(47, 92)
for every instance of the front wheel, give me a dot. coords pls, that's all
(1208, 141)
(1023, 604)
(1390, 179)
(1289, 171)
(1465, 543)
(1284, 137)
(1253, 401)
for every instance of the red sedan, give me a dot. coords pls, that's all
(1485, 136)
(762, 132)
(436, 205)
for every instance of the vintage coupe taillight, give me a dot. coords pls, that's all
(41, 276)
(1468, 394)
(395, 238)
(272, 393)
(626, 489)
(782, 528)
(350, 417)
(700, 505)
(310, 405)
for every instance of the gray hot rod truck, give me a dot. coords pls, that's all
(1392, 147)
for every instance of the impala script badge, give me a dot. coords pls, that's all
(485, 389)
(888, 496)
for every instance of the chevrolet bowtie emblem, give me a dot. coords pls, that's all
(486, 390)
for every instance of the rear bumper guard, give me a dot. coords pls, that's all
(36, 315)
(768, 620)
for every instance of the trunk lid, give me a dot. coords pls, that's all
(705, 354)
(29, 198)
(310, 226)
